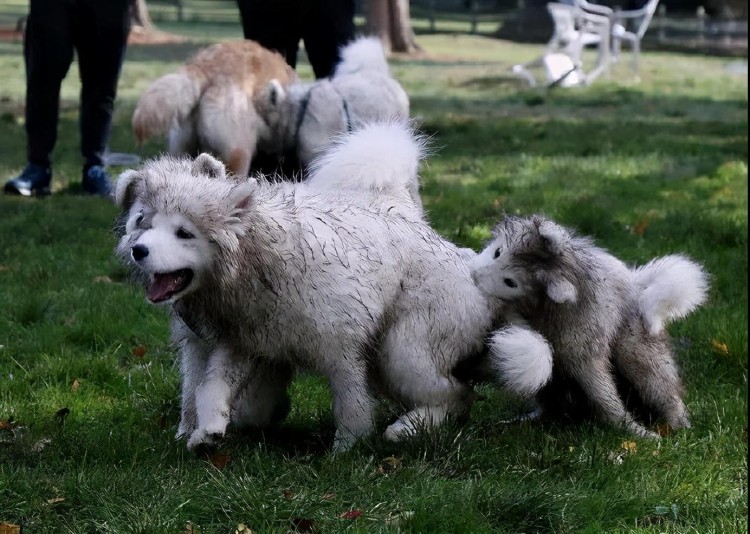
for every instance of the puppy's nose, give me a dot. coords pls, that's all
(139, 252)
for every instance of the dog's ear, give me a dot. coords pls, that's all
(206, 165)
(241, 199)
(554, 237)
(123, 193)
(559, 289)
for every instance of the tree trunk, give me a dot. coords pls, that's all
(390, 20)
(140, 16)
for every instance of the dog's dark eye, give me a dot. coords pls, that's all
(139, 220)
(509, 282)
(183, 234)
(497, 254)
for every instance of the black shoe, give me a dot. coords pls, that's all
(33, 180)
(96, 181)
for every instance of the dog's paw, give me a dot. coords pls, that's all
(202, 440)
(402, 429)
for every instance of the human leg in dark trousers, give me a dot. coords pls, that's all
(324, 25)
(54, 29)
(329, 27)
(100, 40)
(275, 24)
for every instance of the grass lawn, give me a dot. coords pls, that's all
(89, 389)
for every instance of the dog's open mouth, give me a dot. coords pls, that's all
(164, 285)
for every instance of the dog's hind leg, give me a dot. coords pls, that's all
(414, 376)
(225, 375)
(227, 126)
(182, 138)
(647, 363)
(596, 378)
(265, 399)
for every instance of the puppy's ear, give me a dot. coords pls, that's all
(206, 165)
(242, 198)
(559, 289)
(554, 236)
(123, 194)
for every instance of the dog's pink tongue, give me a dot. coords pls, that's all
(164, 286)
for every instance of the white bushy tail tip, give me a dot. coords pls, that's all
(522, 359)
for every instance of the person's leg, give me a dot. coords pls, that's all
(274, 24)
(101, 34)
(329, 26)
(48, 52)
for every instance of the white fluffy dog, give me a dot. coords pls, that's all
(266, 277)
(604, 320)
(303, 118)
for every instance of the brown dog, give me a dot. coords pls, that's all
(207, 104)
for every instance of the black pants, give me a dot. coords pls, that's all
(97, 30)
(324, 26)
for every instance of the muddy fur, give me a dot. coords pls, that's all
(604, 320)
(263, 278)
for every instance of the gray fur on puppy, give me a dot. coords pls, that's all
(266, 277)
(602, 318)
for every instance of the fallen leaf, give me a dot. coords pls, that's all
(191, 529)
(139, 351)
(75, 385)
(303, 525)
(219, 460)
(4, 268)
(242, 529)
(351, 514)
(69, 321)
(288, 494)
(9, 528)
(663, 429)
(7, 425)
(389, 465)
(55, 500)
(103, 279)
(640, 227)
(631, 447)
(329, 496)
(719, 347)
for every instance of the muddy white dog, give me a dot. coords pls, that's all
(265, 277)
(303, 118)
(603, 319)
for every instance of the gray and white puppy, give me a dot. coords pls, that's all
(266, 277)
(304, 117)
(602, 319)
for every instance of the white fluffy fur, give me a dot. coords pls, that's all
(266, 277)
(305, 118)
(348, 164)
(671, 287)
(522, 359)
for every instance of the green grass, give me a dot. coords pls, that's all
(647, 168)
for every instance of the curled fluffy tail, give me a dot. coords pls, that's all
(365, 53)
(167, 100)
(671, 287)
(521, 359)
(380, 156)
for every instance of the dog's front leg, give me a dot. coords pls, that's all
(222, 380)
(353, 404)
(193, 354)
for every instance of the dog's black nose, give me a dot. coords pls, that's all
(139, 252)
